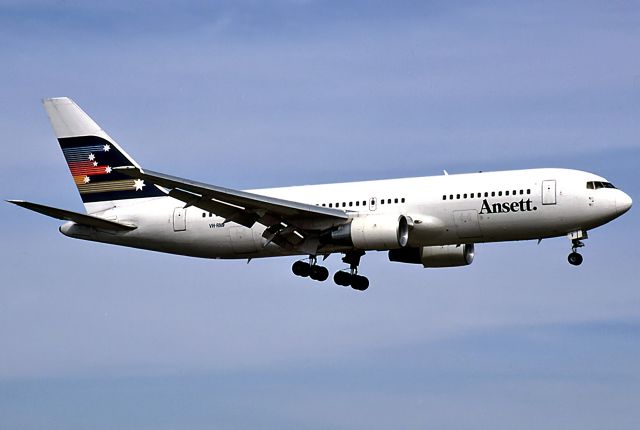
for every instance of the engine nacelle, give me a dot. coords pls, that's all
(435, 256)
(373, 232)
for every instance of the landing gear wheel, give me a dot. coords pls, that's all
(342, 278)
(318, 273)
(300, 268)
(359, 283)
(575, 259)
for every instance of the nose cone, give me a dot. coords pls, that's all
(623, 203)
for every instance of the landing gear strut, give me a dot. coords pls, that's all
(310, 269)
(350, 277)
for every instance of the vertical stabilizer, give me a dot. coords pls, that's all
(91, 156)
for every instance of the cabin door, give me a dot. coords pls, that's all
(179, 219)
(549, 192)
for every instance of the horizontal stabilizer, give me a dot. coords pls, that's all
(88, 220)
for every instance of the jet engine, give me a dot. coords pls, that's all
(373, 232)
(435, 256)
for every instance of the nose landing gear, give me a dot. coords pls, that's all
(575, 259)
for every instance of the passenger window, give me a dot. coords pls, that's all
(493, 193)
(450, 196)
(486, 194)
(500, 193)
(521, 192)
(396, 201)
(472, 195)
(458, 196)
(506, 193)
(388, 201)
(444, 197)
(330, 205)
(364, 202)
(350, 204)
(528, 191)
(344, 204)
(358, 203)
(514, 192)
(381, 201)
(210, 214)
(204, 214)
(402, 201)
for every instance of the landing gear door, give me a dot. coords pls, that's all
(179, 219)
(549, 192)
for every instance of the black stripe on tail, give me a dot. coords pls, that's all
(91, 160)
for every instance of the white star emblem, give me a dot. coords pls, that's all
(86, 179)
(106, 148)
(107, 169)
(92, 157)
(138, 184)
(95, 163)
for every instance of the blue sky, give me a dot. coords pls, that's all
(255, 94)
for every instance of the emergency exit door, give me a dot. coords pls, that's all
(549, 192)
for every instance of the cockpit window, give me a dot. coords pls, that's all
(594, 185)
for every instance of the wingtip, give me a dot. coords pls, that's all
(54, 99)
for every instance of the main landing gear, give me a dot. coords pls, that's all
(310, 269)
(345, 278)
(351, 277)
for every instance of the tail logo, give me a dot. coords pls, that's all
(91, 160)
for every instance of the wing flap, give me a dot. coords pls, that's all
(62, 214)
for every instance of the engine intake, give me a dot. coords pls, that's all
(435, 256)
(373, 232)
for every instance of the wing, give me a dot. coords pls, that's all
(289, 224)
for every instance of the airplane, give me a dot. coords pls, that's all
(434, 221)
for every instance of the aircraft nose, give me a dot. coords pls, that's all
(623, 203)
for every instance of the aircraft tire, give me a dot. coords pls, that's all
(342, 278)
(319, 273)
(300, 268)
(359, 283)
(575, 259)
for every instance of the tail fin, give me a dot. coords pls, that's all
(91, 156)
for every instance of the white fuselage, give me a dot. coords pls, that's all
(446, 210)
